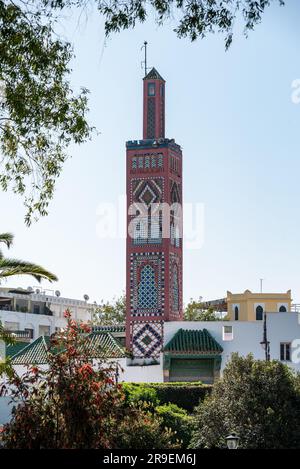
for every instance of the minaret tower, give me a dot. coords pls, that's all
(154, 221)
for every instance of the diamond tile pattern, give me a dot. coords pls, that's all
(147, 339)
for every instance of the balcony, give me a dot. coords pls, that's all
(35, 309)
(21, 335)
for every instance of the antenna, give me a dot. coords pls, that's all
(144, 62)
(261, 284)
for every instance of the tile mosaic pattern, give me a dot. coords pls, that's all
(147, 288)
(148, 161)
(175, 277)
(147, 339)
(175, 289)
(147, 283)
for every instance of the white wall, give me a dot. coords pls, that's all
(142, 374)
(281, 327)
(29, 320)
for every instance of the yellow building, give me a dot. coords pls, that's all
(250, 306)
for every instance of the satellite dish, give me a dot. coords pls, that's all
(86, 297)
(57, 293)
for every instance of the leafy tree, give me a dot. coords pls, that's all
(111, 314)
(39, 114)
(195, 311)
(75, 404)
(196, 18)
(178, 420)
(12, 267)
(258, 400)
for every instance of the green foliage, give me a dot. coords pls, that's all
(110, 314)
(177, 420)
(258, 400)
(195, 311)
(11, 267)
(170, 415)
(39, 114)
(146, 432)
(184, 395)
(196, 18)
(73, 404)
(140, 393)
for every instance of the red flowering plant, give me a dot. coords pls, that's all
(76, 403)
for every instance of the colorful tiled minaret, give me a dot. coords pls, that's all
(154, 221)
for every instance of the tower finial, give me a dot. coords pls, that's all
(145, 60)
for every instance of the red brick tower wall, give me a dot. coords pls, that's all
(153, 256)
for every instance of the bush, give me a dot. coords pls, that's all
(178, 420)
(258, 400)
(136, 393)
(184, 394)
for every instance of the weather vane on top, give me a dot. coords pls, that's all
(144, 62)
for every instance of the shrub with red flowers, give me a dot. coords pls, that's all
(75, 403)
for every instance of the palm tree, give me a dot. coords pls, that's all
(11, 267)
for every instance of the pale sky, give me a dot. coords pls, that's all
(233, 115)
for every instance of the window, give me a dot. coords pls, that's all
(11, 326)
(259, 313)
(30, 332)
(44, 330)
(282, 309)
(36, 309)
(151, 89)
(227, 333)
(285, 352)
(236, 313)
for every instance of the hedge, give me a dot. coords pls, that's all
(184, 394)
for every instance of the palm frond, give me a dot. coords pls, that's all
(11, 267)
(7, 239)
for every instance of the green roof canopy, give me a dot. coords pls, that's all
(193, 342)
(12, 349)
(98, 345)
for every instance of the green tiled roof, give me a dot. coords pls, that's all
(153, 75)
(34, 353)
(104, 345)
(193, 341)
(117, 328)
(11, 350)
(98, 344)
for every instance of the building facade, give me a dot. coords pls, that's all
(30, 314)
(154, 222)
(250, 306)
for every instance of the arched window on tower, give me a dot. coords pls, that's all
(147, 289)
(259, 313)
(236, 313)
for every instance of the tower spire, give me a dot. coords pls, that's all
(154, 106)
(145, 59)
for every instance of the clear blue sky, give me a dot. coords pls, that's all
(233, 115)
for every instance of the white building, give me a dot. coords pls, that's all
(30, 314)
